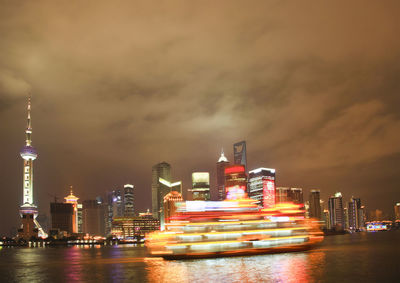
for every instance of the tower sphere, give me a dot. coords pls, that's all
(28, 152)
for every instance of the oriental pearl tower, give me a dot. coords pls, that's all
(28, 210)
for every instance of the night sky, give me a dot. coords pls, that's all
(312, 86)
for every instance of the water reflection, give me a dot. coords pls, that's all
(353, 258)
(73, 269)
(292, 267)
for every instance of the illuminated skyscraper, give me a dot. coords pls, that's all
(169, 204)
(355, 213)
(200, 186)
(28, 210)
(158, 191)
(336, 212)
(221, 164)
(295, 195)
(164, 189)
(327, 219)
(285, 194)
(262, 186)
(129, 210)
(74, 201)
(282, 194)
(235, 182)
(117, 204)
(239, 154)
(315, 204)
(397, 211)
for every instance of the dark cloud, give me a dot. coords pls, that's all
(312, 87)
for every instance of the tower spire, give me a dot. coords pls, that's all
(222, 158)
(28, 131)
(28, 210)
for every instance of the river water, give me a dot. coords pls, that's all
(359, 257)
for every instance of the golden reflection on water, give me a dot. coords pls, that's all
(290, 267)
(356, 258)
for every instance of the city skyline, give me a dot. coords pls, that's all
(323, 114)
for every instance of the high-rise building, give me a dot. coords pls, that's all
(169, 204)
(221, 164)
(166, 187)
(262, 186)
(28, 210)
(336, 212)
(285, 194)
(80, 218)
(128, 201)
(397, 211)
(346, 218)
(235, 182)
(109, 213)
(74, 201)
(282, 194)
(326, 218)
(62, 216)
(361, 217)
(200, 186)
(158, 190)
(295, 195)
(239, 154)
(355, 213)
(93, 216)
(134, 227)
(117, 204)
(315, 204)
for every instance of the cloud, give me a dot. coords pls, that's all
(360, 133)
(11, 85)
(118, 87)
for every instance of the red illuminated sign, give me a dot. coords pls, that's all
(268, 193)
(234, 169)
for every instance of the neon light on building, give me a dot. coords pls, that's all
(74, 201)
(235, 182)
(268, 193)
(262, 186)
(234, 169)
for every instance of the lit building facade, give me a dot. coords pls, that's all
(262, 186)
(28, 210)
(355, 214)
(286, 194)
(296, 195)
(169, 204)
(133, 227)
(117, 204)
(200, 186)
(221, 164)
(80, 217)
(239, 154)
(129, 209)
(397, 211)
(282, 194)
(158, 190)
(235, 182)
(326, 218)
(74, 201)
(336, 212)
(315, 204)
(164, 189)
